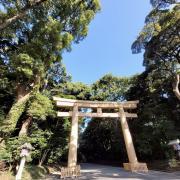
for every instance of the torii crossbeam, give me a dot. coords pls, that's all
(120, 111)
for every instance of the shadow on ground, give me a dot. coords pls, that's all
(100, 172)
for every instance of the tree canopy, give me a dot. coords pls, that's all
(161, 42)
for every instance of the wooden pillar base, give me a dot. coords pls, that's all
(136, 167)
(70, 172)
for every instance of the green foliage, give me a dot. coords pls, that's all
(157, 123)
(160, 39)
(73, 91)
(33, 44)
(58, 144)
(23, 64)
(2, 116)
(102, 139)
(56, 75)
(39, 140)
(162, 3)
(39, 107)
(31, 49)
(11, 152)
(157, 118)
(9, 123)
(110, 88)
(32, 72)
(159, 109)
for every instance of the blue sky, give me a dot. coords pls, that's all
(107, 48)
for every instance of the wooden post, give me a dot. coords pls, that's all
(127, 137)
(72, 156)
(99, 110)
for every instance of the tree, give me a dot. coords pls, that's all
(20, 10)
(47, 133)
(102, 139)
(158, 117)
(58, 128)
(158, 112)
(33, 36)
(72, 90)
(160, 39)
(34, 42)
(110, 88)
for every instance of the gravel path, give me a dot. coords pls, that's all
(101, 172)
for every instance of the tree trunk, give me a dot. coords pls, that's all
(21, 92)
(43, 157)
(14, 114)
(176, 86)
(18, 107)
(20, 14)
(25, 126)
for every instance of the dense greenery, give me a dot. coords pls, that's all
(157, 123)
(103, 139)
(160, 39)
(158, 118)
(157, 89)
(32, 45)
(34, 35)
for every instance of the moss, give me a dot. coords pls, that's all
(13, 116)
(39, 107)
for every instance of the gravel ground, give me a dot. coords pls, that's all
(101, 172)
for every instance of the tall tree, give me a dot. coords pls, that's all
(158, 111)
(161, 41)
(158, 117)
(34, 42)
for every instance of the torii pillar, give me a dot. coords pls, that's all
(127, 138)
(133, 164)
(73, 144)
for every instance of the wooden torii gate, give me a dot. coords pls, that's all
(120, 112)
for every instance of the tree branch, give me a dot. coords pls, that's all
(20, 14)
(176, 86)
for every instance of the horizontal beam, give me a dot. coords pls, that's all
(101, 115)
(61, 102)
(105, 105)
(94, 102)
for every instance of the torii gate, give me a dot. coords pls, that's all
(122, 114)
